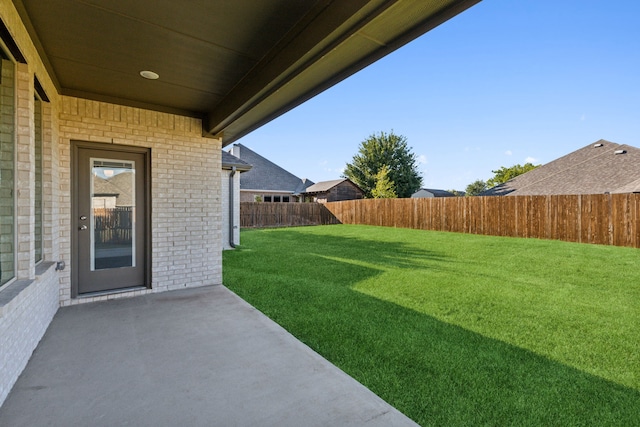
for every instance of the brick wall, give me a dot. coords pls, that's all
(185, 189)
(186, 204)
(26, 309)
(29, 302)
(25, 174)
(7, 173)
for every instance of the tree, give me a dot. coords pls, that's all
(476, 187)
(384, 188)
(382, 150)
(456, 193)
(504, 174)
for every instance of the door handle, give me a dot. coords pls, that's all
(82, 227)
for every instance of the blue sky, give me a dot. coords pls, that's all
(506, 82)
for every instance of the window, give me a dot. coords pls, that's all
(267, 198)
(285, 199)
(7, 170)
(37, 118)
(276, 199)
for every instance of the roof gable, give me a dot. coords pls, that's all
(593, 169)
(323, 186)
(266, 175)
(229, 161)
(435, 192)
(632, 187)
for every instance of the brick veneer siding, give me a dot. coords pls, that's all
(186, 220)
(7, 169)
(186, 205)
(26, 309)
(28, 304)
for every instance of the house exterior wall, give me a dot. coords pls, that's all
(225, 208)
(29, 302)
(250, 195)
(343, 191)
(185, 202)
(186, 223)
(26, 309)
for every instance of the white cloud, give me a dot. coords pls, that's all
(422, 159)
(508, 152)
(531, 160)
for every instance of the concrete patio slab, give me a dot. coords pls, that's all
(194, 357)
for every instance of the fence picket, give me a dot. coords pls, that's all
(597, 218)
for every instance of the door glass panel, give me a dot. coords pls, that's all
(112, 214)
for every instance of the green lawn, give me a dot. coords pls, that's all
(457, 329)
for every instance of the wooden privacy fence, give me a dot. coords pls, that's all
(260, 215)
(113, 225)
(601, 218)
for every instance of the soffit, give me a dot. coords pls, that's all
(236, 64)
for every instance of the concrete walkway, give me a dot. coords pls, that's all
(196, 357)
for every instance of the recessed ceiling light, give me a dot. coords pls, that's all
(149, 75)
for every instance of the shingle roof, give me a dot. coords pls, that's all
(594, 169)
(437, 193)
(229, 161)
(323, 186)
(266, 175)
(632, 187)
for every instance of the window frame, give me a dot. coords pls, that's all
(38, 216)
(12, 241)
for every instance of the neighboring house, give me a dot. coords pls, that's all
(266, 181)
(601, 167)
(232, 167)
(333, 191)
(149, 91)
(430, 192)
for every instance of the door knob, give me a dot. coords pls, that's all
(82, 227)
(83, 218)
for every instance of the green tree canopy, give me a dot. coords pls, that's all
(504, 174)
(390, 151)
(475, 188)
(384, 188)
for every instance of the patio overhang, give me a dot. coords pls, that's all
(237, 65)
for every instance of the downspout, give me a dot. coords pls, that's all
(231, 207)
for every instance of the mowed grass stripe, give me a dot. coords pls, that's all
(458, 329)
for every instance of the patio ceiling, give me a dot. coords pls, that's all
(237, 64)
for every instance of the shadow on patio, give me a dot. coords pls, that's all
(191, 357)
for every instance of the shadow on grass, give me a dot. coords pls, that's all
(434, 372)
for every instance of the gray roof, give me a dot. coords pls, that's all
(437, 193)
(229, 161)
(601, 167)
(632, 187)
(323, 186)
(266, 175)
